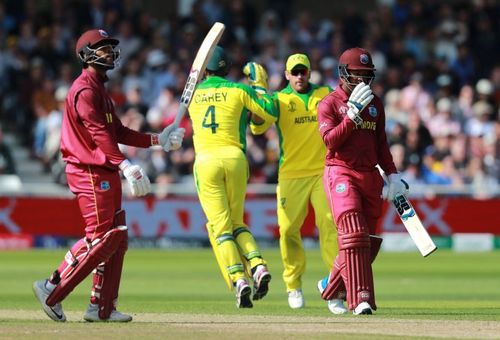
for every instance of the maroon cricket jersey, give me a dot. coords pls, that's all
(91, 130)
(357, 148)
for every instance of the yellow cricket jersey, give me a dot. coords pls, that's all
(302, 151)
(219, 109)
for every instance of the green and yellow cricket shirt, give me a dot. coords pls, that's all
(219, 110)
(302, 151)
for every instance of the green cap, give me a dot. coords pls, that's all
(297, 59)
(219, 60)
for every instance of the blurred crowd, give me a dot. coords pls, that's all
(438, 73)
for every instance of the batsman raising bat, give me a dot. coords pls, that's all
(301, 164)
(218, 112)
(352, 124)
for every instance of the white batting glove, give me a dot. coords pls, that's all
(360, 97)
(397, 187)
(136, 178)
(171, 138)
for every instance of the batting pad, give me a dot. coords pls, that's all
(113, 272)
(99, 251)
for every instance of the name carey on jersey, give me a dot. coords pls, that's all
(214, 97)
(306, 119)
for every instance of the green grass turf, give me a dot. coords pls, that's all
(446, 285)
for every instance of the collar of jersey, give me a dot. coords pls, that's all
(303, 96)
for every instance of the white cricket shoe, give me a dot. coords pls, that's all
(336, 306)
(42, 292)
(261, 279)
(363, 308)
(323, 283)
(92, 315)
(296, 299)
(243, 292)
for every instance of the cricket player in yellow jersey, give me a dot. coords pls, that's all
(301, 164)
(219, 115)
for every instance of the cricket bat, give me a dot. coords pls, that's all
(198, 68)
(412, 222)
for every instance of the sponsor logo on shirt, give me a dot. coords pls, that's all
(105, 185)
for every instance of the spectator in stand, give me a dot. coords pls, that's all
(7, 165)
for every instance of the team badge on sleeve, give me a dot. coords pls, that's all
(105, 185)
(340, 188)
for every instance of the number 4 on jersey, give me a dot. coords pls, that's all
(209, 122)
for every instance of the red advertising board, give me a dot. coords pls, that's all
(183, 217)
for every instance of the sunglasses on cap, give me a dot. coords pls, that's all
(302, 71)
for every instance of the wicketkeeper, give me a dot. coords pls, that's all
(90, 135)
(218, 112)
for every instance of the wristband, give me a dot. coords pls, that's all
(154, 139)
(125, 164)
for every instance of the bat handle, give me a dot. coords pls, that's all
(179, 115)
(382, 173)
(386, 179)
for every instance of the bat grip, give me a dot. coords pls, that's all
(179, 115)
(382, 173)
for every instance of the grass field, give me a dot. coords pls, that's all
(180, 294)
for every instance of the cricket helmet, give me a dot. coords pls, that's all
(355, 59)
(92, 41)
(219, 62)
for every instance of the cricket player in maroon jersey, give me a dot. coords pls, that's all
(352, 124)
(90, 135)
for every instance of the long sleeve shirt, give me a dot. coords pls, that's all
(91, 130)
(358, 148)
(219, 111)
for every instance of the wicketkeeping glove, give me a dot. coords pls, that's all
(257, 76)
(397, 186)
(136, 178)
(171, 138)
(360, 97)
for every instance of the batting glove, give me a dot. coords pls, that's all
(136, 177)
(257, 76)
(397, 187)
(360, 97)
(171, 138)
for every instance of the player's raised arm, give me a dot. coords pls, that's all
(257, 78)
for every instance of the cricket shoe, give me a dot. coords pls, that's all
(336, 306)
(323, 283)
(42, 293)
(296, 299)
(243, 292)
(363, 308)
(92, 315)
(261, 279)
